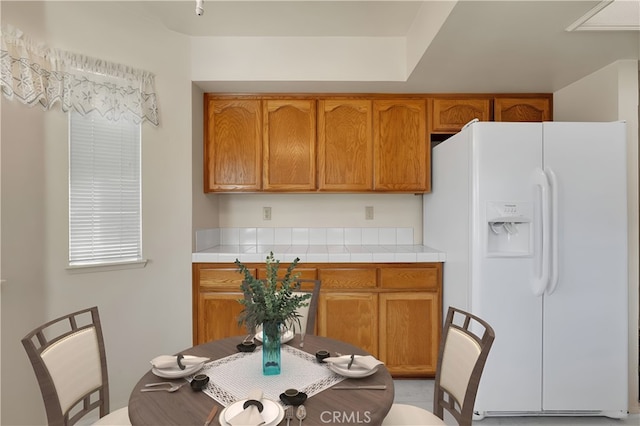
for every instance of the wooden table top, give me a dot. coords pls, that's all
(187, 407)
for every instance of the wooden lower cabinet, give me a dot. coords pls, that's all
(412, 336)
(217, 316)
(392, 310)
(350, 317)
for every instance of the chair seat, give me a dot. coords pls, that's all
(115, 418)
(410, 415)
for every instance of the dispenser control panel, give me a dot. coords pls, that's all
(509, 229)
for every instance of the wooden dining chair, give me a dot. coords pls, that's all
(309, 313)
(465, 345)
(68, 358)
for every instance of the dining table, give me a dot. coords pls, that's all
(334, 399)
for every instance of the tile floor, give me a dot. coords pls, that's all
(420, 393)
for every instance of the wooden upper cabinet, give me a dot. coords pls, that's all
(522, 109)
(450, 115)
(232, 145)
(401, 150)
(289, 148)
(345, 145)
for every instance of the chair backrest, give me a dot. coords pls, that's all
(465, 345)
(308, 313)
(68, 358)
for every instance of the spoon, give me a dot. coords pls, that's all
(171, 389)
(301, 413)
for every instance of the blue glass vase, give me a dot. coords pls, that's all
(271, 360)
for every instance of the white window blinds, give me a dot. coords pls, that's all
(104, 190)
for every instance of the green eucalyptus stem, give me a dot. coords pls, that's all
(272, 299)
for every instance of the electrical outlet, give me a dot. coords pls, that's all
(368, 212)
(266, 213)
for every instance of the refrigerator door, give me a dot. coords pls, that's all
(585, 317)
(504, 157)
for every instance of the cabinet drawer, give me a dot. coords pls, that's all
(348, 278)
(409, 278)
(304, 273)
(222, 279)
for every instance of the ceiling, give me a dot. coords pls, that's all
(482, 46)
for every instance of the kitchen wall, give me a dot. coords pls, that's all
(612, 94)
(204, 210)
(145, 312)
(322, 210)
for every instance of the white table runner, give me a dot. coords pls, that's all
(231, 378)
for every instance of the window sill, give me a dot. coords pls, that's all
(103, 267)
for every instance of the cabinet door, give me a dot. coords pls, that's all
(232, 145)
(345, 145)
(216, 291)
(401, 154)
(522, 109)
(410, 325)
(449, 115)
(350, 317)
(218, 316)
(289, 145)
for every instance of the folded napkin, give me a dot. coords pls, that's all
(171, 361)
(250, 416)
(365, 362)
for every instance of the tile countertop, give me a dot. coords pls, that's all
(320, 253)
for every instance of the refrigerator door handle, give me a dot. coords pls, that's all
(553, 184)
(541, 282)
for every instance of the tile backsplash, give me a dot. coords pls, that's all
(207, 238)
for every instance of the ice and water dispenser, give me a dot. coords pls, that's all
(509, 230)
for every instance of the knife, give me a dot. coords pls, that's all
(371, 387)
(350, 362)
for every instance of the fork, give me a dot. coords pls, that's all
(288, 414)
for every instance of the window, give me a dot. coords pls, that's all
(104, 191)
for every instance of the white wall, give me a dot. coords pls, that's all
(322, 210)
(145, 312)
(204, 206)
(611, 94)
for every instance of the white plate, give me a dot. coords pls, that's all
(272, 414)
(175, 372)
(354, 373)
(284, 337)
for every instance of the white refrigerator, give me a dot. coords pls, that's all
(533, 220)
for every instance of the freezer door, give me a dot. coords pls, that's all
(505, 156)
(585, 318)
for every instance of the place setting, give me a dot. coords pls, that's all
(255, 410)
(177, 366)
(352, 366)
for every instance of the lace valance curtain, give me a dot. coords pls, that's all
(33, 73)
